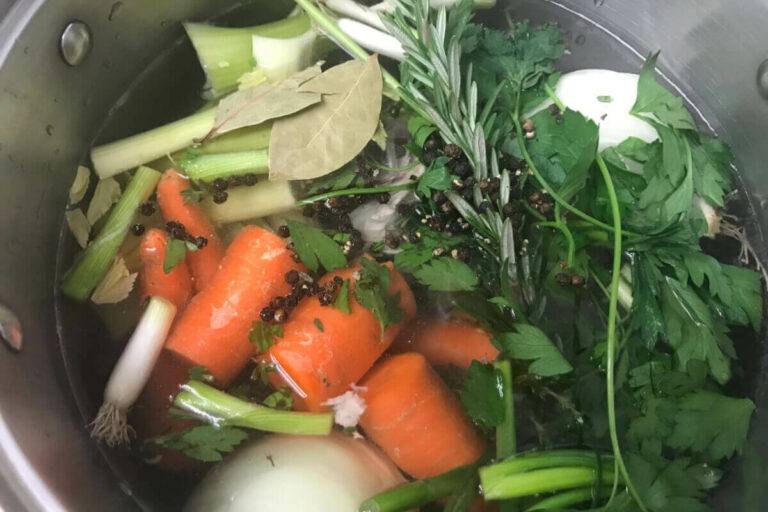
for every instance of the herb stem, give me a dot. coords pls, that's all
(613, 302)
(382, 167)
(220, 409)
(542, 459)
(561, 226)
(543, 480)
(356, 192)
(506, 442)
(557, 101)
(420, 492)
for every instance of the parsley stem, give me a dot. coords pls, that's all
(221, 409)
(613, 303)
(419, 492)
(382, 167)
(557, 101)
(544, 480)
(356, 192)
(506, 435)
(561, 226)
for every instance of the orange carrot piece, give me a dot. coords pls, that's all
(213, 330)
(454, 342)
(203, 263)
(322, 363)
(416, 419)
(175, 286)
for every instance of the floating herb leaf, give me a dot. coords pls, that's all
(483, 394)
(205, 443)
(264, 334)
(175, 253)
(315, 248)
(372, 292)
(531, 344)
(342, 298)
(446, 274)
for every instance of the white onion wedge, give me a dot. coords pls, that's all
(296, 474)
(131, 373)
(372, 39)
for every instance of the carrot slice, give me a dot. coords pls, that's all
(203, 263)
(175, 286)
(213, 331)
(452, 342)
(324, 350)
(416, 419)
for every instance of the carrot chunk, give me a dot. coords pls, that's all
(203, 263)
(174, 286)
(416, 419)
(452, 342)
(213, 330)
(324, 350)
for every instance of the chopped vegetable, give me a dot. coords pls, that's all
(223, 410)
(283, 473)
(247, 203)
(132, 372)
(174, 286)
(203, 263)
(210, 167)
(213, 330)
(320, 365)
(94, 263)
(347, 408)
(106, 194)
(454, 342)
(415, 418)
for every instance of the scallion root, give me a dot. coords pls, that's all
(111, 426)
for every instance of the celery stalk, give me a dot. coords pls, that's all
(250, 138)
(543, 480)
(223, 165)
(122, 155)
(565, 500)
(226, 53)
(539, 460)
(245, 203)
(94, 263)
(221, 409)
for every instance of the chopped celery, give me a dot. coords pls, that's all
(221, 409)
(223, 165)
(227, 53)
(250, 138)
(94, 263)
(245, 203)
(565, 500)
(122, 155)
(544, 480)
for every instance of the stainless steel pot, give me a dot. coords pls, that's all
(51, 111)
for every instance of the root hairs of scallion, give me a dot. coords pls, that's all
(111, 426)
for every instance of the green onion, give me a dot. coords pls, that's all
(122, 155)
(223, 165)
(221, 409)
(227, 53)
(94, 263)
(420, 492)
(542, 480)
(565, 500)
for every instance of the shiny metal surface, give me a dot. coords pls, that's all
(76, 42)
(711, 50)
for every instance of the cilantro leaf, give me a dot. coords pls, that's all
(531, 344)
(315, 248)
(319, 324)
(711, 423)
(446, 274)
(483, 394)
(205, 443)
(657, 103)
(175, 253)
(436, 177)
(372, 292)
(342, 298)
(264, 334)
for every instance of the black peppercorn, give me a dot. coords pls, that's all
(280, 316)
(292, 277)
(383, 198)
(267, 314)
(439, 197)
(325, 298)
(200, 242)
(283, 231)
(220, 184)
(138, 229)
(563, 279)
(250, 179)
(147, 209)
(452, 151)
(220, 197)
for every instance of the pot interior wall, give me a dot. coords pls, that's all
(168, 88)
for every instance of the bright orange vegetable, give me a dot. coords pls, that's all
(175, 286)
(455, 342)
(321, 364)
(416, 419)
(203, 263)
(213, 330)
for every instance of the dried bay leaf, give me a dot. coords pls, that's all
(251, 106)
(323, 138)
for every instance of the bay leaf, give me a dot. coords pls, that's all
(254, 105)
(323, 138)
